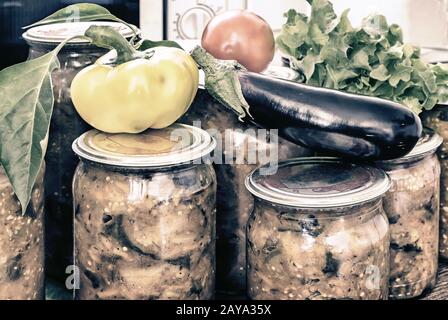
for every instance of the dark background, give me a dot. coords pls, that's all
(14, 14)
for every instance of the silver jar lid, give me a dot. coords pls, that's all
(428, 144)
(175, 145)
(319, 183)
(58, 32)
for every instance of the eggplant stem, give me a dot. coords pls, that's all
(222, 82)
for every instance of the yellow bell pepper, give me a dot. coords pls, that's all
(142, 93)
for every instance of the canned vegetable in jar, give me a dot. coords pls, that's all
(66, 126)
(234, 202)
(21, 242)
(318, 231)
(145, 215)
(412, 206)
(437, 119)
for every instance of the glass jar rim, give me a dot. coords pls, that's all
(58, 32)
(363, 209)
(189, 145)
(309, 193)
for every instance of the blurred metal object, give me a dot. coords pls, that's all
(186, 19)
(179, 20)
(424, 22)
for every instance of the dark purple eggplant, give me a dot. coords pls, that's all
(330, 120)
(325, 120)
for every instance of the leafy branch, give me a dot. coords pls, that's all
(26, 94)
(26, 106)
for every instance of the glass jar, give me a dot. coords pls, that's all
(66, 126)
(235, 203)
(145, 215)
(318, 231)
(21, 242)
(412, 206)
(437, 119)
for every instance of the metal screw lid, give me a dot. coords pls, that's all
(58, 32)
(175, 145)
(319, 183)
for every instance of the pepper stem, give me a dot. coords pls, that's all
(109, 38)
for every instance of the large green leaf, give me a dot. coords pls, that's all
(26, 105)
(80, 12)
(26, 101)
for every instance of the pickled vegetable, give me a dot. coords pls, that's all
(412, 206)
(298, 254)
(145, 236)
(21, 243)
(318, 231)
(437, 119)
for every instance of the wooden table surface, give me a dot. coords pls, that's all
(440, 292)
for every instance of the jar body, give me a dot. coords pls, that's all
(412, 206)
(234, 202)
(21, 243)
(437, 119)
(340, 253)
(66, 125)
(145, 235)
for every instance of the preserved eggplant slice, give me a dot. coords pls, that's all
(145, 233)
